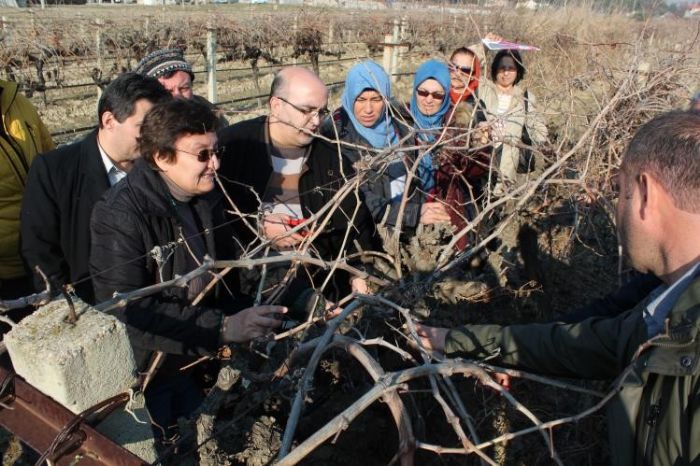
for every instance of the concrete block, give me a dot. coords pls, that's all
(78, 364)
(131, 428)
(82, 364)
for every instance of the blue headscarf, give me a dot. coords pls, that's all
(432, 69)
(369, 75)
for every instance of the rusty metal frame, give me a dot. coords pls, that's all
(37, 420)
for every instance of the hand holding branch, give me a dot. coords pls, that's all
(432, 338)
(251, 323)
(276, 229)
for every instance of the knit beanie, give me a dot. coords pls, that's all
(163, 62)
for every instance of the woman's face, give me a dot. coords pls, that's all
(368, 107)
(507, 72)
(461, 71)
(429, 97)
(194, 165)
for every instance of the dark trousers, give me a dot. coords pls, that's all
(169, 398)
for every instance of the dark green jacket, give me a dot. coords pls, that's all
(655, 419)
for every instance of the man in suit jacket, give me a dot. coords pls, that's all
(64, 184)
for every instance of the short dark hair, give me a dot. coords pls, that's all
(668, 147)
(168, 121)
(462, 51)
(121, 95)
(515, 55)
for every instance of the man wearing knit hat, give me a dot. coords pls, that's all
(171, 69)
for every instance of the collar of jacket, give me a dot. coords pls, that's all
(677, 353)
(9, 92)
(488, 93)
(153, 194)
(91, 161)
(270, 145)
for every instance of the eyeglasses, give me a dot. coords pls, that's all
(307, 112)
(434, 95)
(205, 154)
(463, 69)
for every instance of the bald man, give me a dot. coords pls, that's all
(273, 167)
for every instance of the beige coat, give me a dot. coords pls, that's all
(515, 118)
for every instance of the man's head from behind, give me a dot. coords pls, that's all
(298, 100)
(169, 67)
(658, 211)
(121, 109)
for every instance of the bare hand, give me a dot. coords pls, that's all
(276, 228)
(251, 323)
(493, 36)
(432, 338)
(359, 285)
(483, 133)
(433, 212)
(502, 379)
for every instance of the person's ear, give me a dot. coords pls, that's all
(108, 120)
(274, 105)
(652, 194)
(161, 162)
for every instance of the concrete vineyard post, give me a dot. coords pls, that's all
(295, 27)
(388, 52)
(211, 63)
(99, 23)
(394, 52)
(403, 39)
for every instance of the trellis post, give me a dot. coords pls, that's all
(211, 63)
(394, 52)
(98, 51)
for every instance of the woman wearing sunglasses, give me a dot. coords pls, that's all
(450, 169)
(512, 118)
(366, 120)
(465, 73)
(429, 108)
(158, 223)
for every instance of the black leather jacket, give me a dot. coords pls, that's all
(134, 217)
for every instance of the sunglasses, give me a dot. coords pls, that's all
(463, 69)
(205, 154)
(434, 95)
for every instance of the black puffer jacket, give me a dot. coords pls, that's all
(134, 217)
(377, 189)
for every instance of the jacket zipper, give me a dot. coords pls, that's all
(652, 422)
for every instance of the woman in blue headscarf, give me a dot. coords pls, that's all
(365, 119)
(429, 107)
(367, 89)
